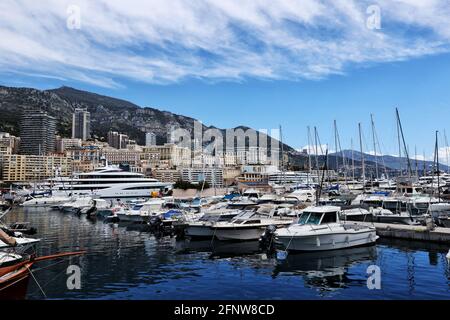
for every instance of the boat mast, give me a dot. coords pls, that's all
(437, 165)
(344, 159)
(399, 148)
(417, 164)
(404, 143)
(309, 155)
(282, 154)
(336, 148)
(374, 147)
(446, 151)
(362, 156)
(353, 160)
(316, 147)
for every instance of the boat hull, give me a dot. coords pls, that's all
(199, 231)
(239, 234)
(14, 281)
(394, 219)
(327, 242)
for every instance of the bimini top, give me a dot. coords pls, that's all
(322, 209)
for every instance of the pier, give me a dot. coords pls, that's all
(409, 232)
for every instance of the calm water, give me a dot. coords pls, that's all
(125, 263)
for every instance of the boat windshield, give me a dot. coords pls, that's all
(138, 207)
(310, 218)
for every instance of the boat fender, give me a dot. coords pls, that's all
(448, 255)
(318, 242)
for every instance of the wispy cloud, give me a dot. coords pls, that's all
(168, 41)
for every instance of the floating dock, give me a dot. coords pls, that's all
(418, 233)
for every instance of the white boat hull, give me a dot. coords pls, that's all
(239, 234)
(327, 242)
(130, 218)
(199, 231)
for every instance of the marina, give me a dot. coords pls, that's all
(224, 159)
(124, 262)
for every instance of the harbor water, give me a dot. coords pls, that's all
(125, 262)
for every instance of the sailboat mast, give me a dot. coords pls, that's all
(282, 154)
(437, 165)
(362, 155)
(353, 160)
(336, 147)
(447, 151)
(404, 144)
(399, 148)
(417, 164)
(316, 147)
(374, 147)
(309, 151)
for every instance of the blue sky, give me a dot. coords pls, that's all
(290, 63)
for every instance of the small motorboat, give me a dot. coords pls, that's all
(249, 225)
(320, 229)
(76, 205)
(45, 202)
(142, 212)
(357, 214)
(381, 215)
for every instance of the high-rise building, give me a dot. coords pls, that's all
(118, 140)
(37, 133)
(150, 139)
(81, 124)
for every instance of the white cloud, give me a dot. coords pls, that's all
(168, 41)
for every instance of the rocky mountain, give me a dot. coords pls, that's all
(107, 113)
(391, 162)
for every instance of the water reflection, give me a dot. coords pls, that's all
(219, 249)
(124, 261)
(327, 270)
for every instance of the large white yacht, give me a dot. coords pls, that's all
(110, 183)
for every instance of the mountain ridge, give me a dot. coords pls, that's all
(107, 113)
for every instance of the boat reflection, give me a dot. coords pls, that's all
(219, 249)
(327, 270)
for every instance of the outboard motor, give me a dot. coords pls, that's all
(267, 240)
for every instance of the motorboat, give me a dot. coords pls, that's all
(76, 205)
(303, 195)
(95, 205)
(357, 214)
(381, 215)
(44, 202)
(439, 212)
(203, 227)
(444, 221)
(249, 225)
(141, 212)
(320, 229)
